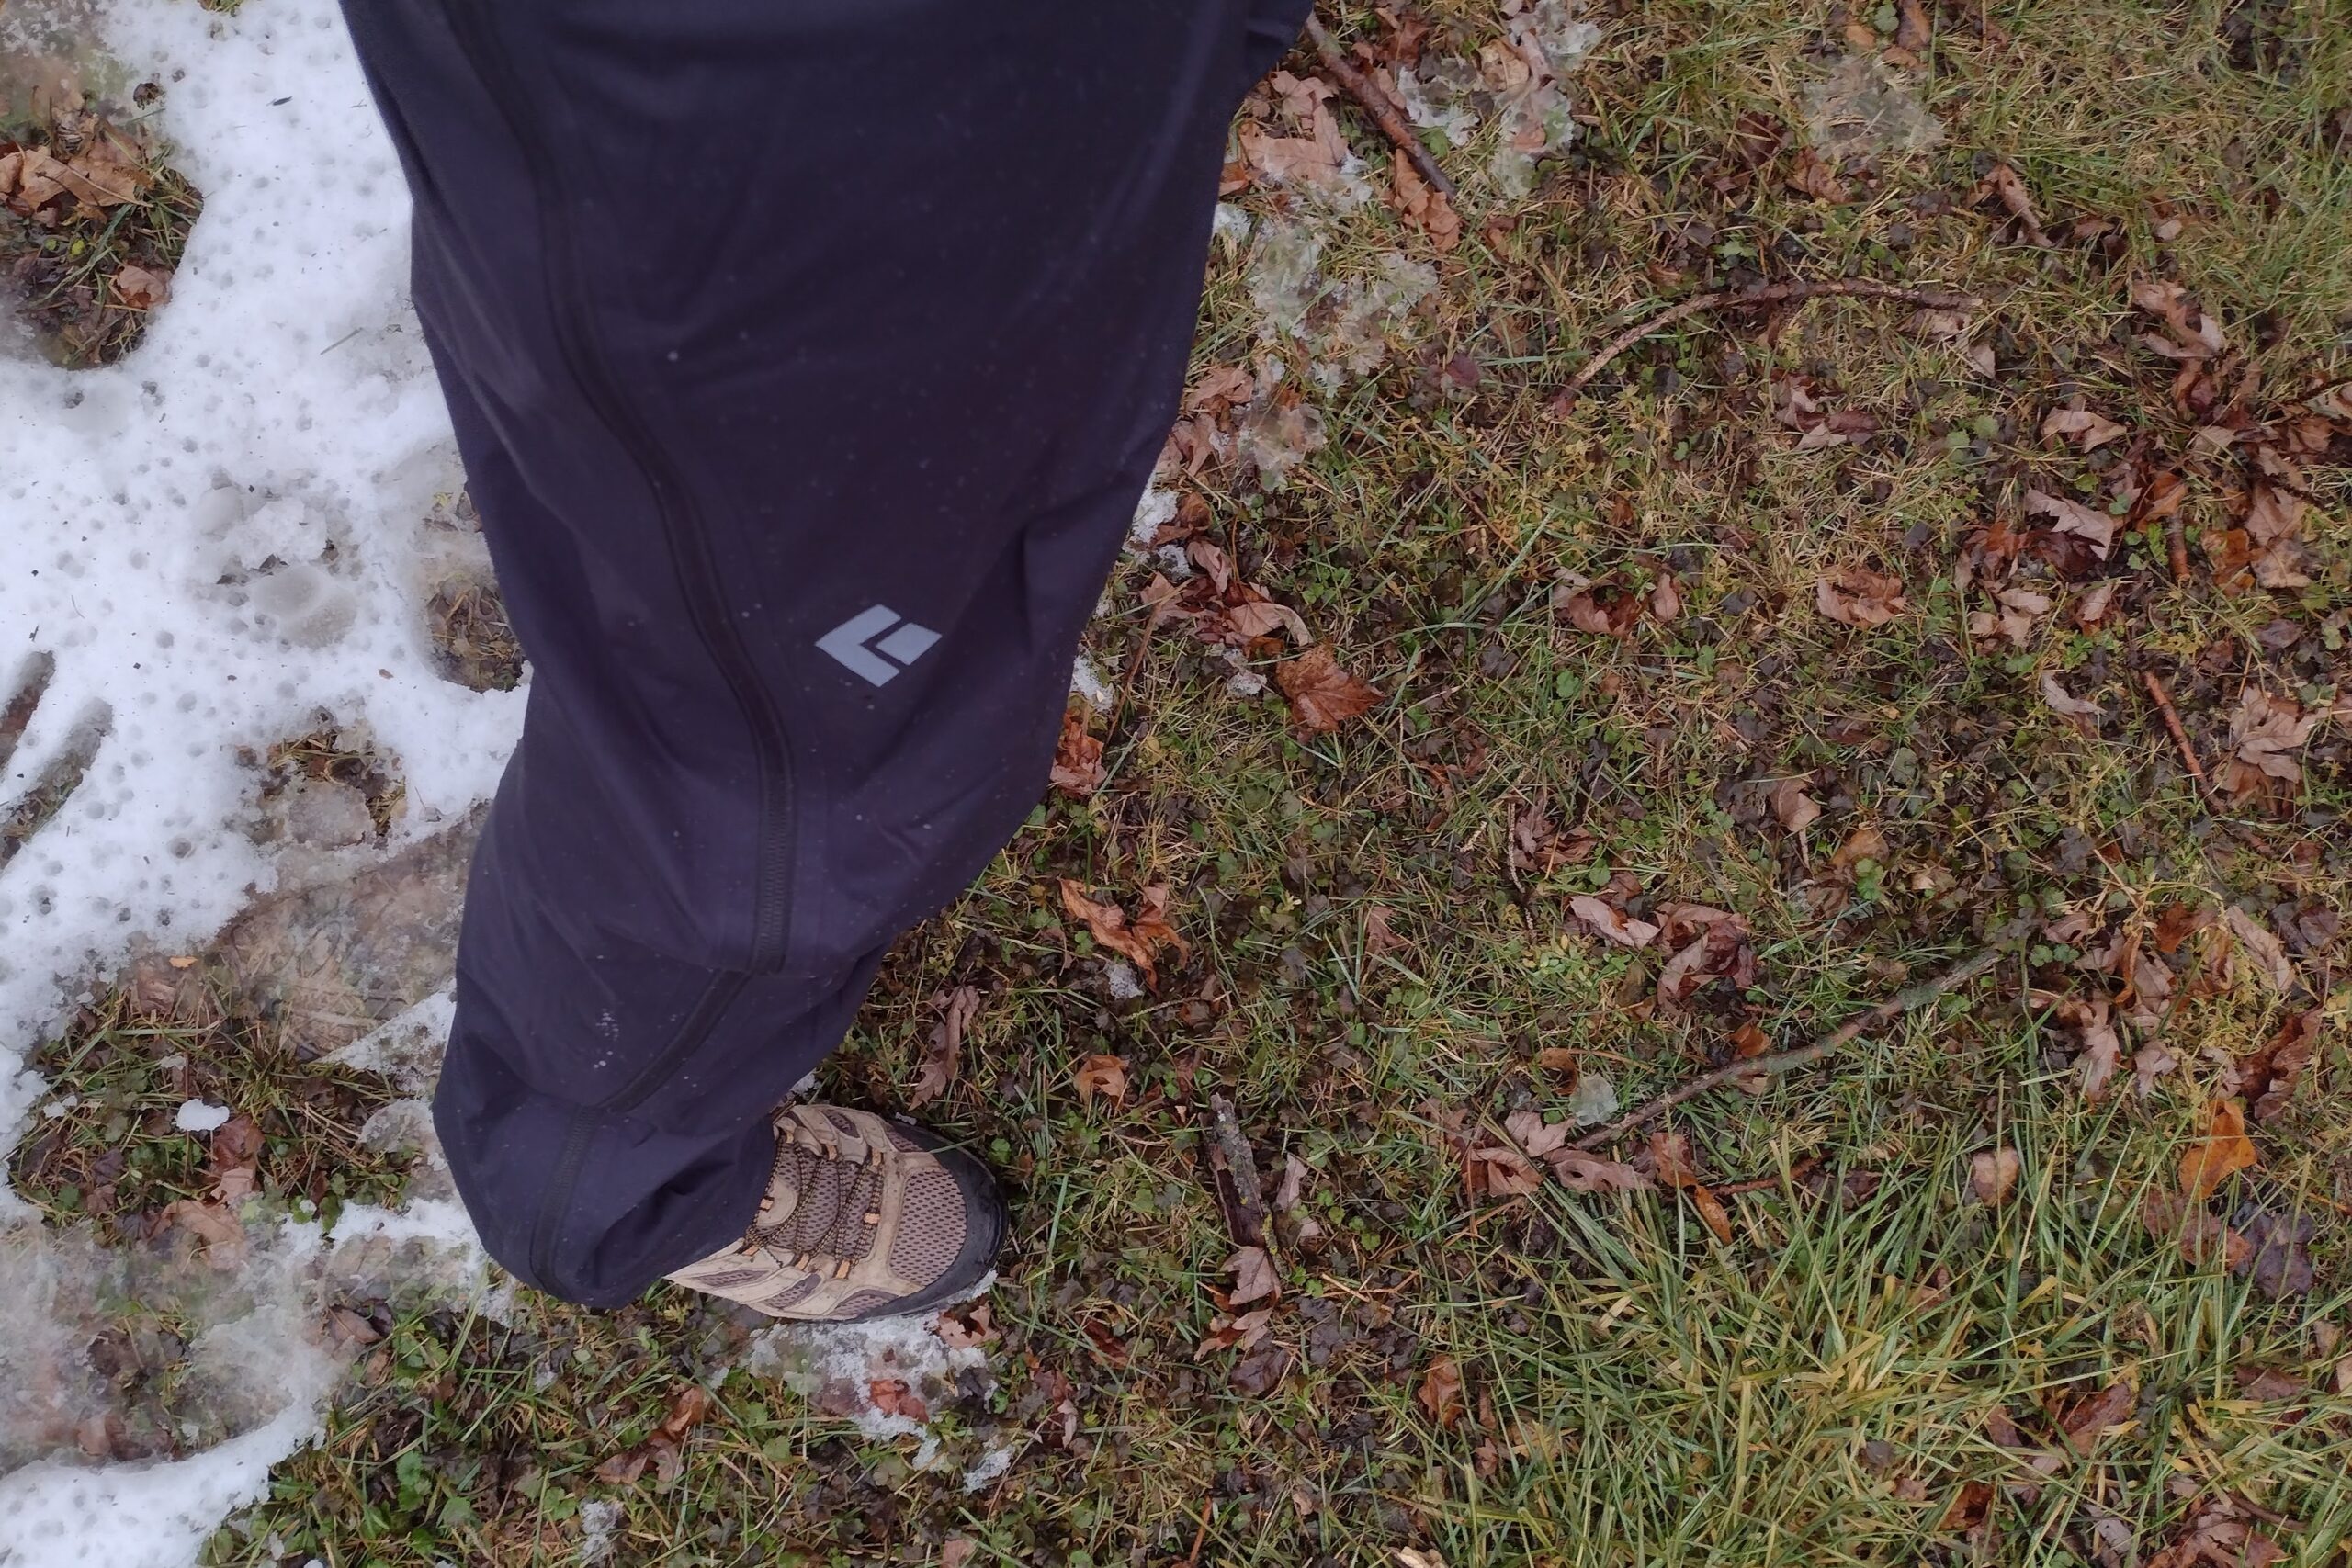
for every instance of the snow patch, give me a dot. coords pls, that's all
(217, 538)
(198, 1116)
(1862, 107)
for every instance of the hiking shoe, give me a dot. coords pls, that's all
(864, 1218)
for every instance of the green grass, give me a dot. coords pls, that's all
(1821, 1388)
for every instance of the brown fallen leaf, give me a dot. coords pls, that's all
(2097, 1414)
(2267, 1078)
(1720, 949)
(2102, 1051)
(1263, 618)
(1077, 757)
(1856, 596)
(1441, 1393)
(2267, 952)
(1814, 176)
(1254, 1278)
(1141, 940)
(1969, 1505)
(1322, 695)
(232, 1159)
(1104, 1074)
(1244, 1331)
(2084, 716)
(1610, 921)
(214, 1224)
(1425, 206)
(1581, 1172)
(1670, 1157)
(2264, 732)
(2003, 182)
(1666, 597)
(141, 288)
(2072, 517)
(2087, 430)
(892, 1396)
(956, 1009)
(1912, 29)
(1221, 388)
(956, 1550)
(1795, 809)
(2221, 1152)
(1602, 612)
(1993, 1175)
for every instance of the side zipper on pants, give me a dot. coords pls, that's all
(475, 29)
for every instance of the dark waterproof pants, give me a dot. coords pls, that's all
(808, 358)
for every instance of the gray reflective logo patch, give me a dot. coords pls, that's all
(861, 644)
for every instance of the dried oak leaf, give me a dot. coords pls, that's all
(2086, 429)
(2264, 731)
(2219, 1153)
(1856, 596)
(229, 1164)
(214, 1224)
(141, 288)
(2269, 954)
(1425, 206)
(1101, 1074)
(1993, 1175)
(2278, 1255)
(1441, 1393)
(892, 1396)
(957, 1009)
(1602, 610)
(1581, 1172)
(1077, 757)
(2100, 1051)
(1795, 809)
(2072, 517)
(1610, 921)
(1141, 940)
(2084, 716)
(2097, 1414)
(1322, 695)
(2267, 1077)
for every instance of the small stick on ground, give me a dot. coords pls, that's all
(1235, 1170)
(2176, 540)
(1384, 110)
(1765, 294)
(1837, 1038)
(2163, 699)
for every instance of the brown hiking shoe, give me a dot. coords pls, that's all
(863, 1218)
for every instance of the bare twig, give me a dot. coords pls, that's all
(2163, 699)
(2176, 538)
(1764, 293)
(1380, 106)
(1233, 1169)
(1837, 1038)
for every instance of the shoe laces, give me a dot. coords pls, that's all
(840, 1209)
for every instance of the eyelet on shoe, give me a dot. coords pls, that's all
(841, 1269)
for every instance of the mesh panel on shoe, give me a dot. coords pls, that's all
(844, 1123)
(907, 1142)
(931, 1226)
(864, 1300)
